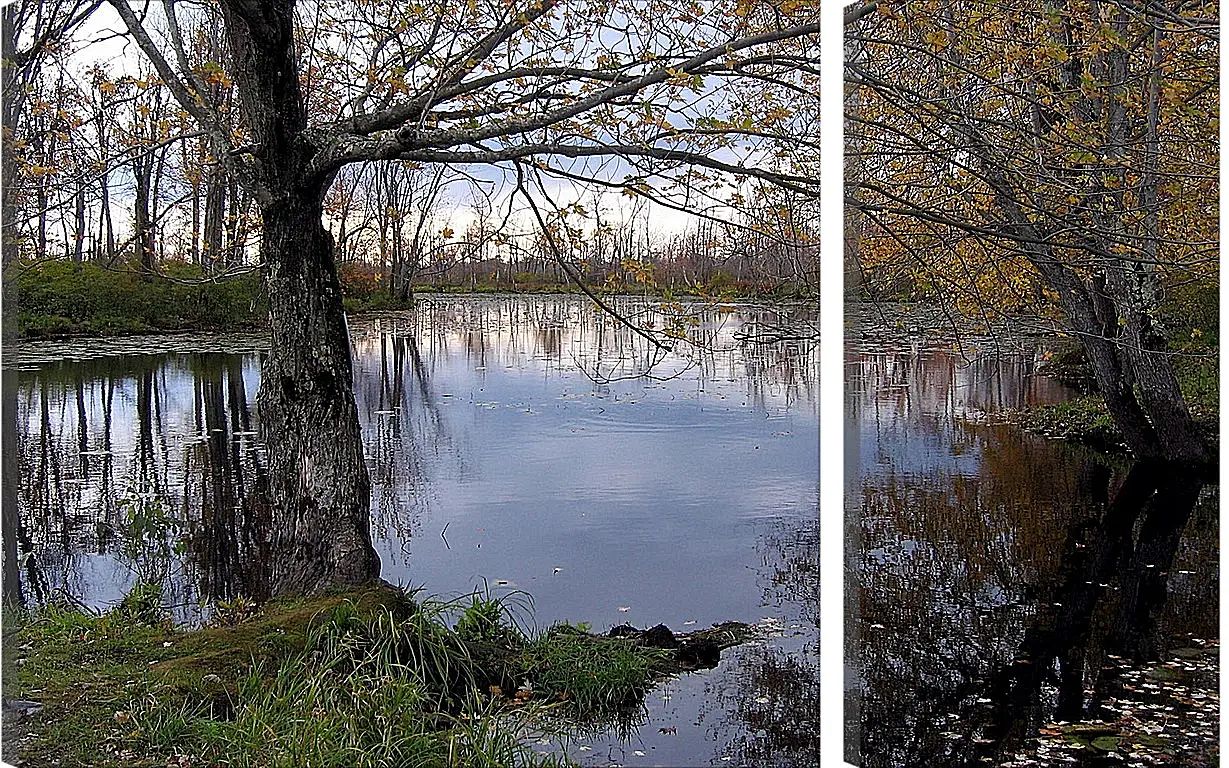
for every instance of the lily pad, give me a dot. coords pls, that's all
(1105, 743)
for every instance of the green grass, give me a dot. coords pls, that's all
(1083, 420)
(367, 677)
(594, 674)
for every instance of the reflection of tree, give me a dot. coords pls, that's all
(1131, 543)
(790, 576)
(402, 423)
(768, 699)
(775, 697)
(98, 474)
(13, 594)
(980, 567)
(172, 430)
(229, 542)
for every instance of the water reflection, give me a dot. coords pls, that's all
(524, 443)
(139, 467)
(995, 573)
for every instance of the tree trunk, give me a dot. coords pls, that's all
(11, 105)
(79, 232)
(105, 224)
(317, 476)
(215, 190)
(143, 227)
(318, 480)
(1127, 352)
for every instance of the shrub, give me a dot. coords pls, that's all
(57, 298)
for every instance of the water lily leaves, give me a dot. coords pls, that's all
(1105, 743)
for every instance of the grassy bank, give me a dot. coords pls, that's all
(1191, 315)
(1085, 419)
(55, 299)
(366, 677)
(60, 298)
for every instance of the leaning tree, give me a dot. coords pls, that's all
(1065, 149)
(537, 87)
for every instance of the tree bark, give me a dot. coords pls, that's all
(8, 158)
(79, 232)
(317, 475)
(212, 257)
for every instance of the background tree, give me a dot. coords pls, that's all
(29, 31)
(1064, 148)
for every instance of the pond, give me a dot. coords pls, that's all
(531, 446)
(1001, 582)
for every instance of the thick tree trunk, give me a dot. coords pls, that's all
(318, 479)
(1159, 395)
(1133, 373)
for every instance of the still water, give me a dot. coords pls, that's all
(514, 443)
(996, 577)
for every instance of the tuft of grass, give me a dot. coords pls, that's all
(595, 675)
(1084, 420)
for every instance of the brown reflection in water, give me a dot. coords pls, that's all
(1112, 589)
(994, 571)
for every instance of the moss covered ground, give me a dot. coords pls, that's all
(371, 676)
